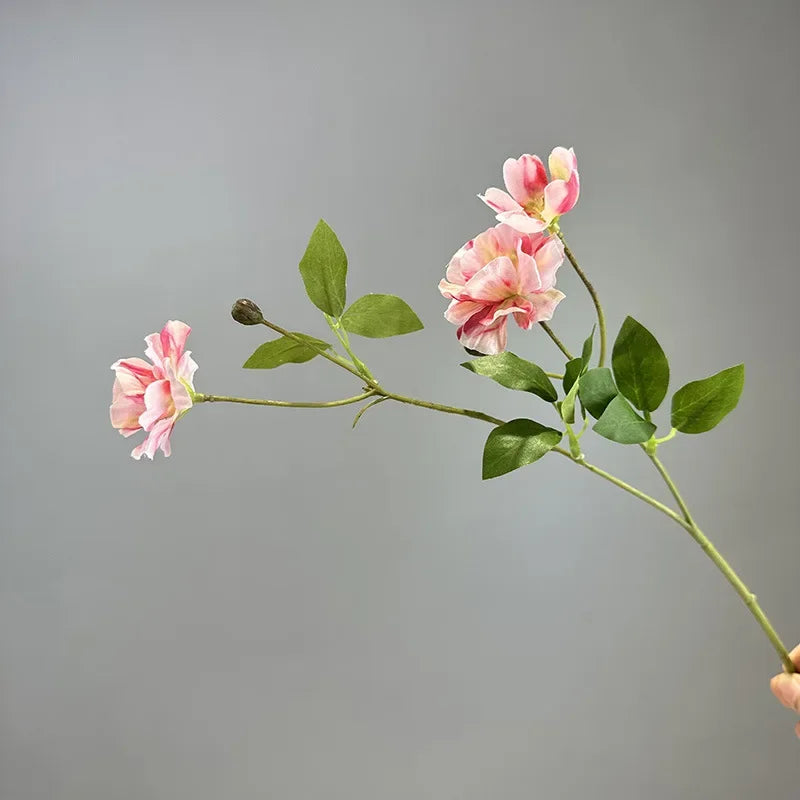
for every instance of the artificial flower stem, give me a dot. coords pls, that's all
(324, 353)
(341, 334)
(559, 344)
(463, 412)
(708, 548)
(219, 398)
(601, 317)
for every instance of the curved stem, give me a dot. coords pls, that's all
(725, 568)
(559, 344)
(221, 398)
(601, 317)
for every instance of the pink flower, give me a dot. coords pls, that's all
(151, 397)
(501, 272)
(533, 203)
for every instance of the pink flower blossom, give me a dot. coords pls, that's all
(533, 203)
(151, 397)
(499, 273)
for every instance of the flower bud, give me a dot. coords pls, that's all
(246, 312)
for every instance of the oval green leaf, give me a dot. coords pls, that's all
(515, 444)
(285, 351)
(702, 405)
(620, 423)
(324, 270)
(514, 372)
(640, 366)
(597, 389)
(380, 315)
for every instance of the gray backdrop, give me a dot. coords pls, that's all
(290, 609)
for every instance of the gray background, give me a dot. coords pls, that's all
(290, 609)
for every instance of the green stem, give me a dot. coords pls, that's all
(601, 317)
(725, 568)
(340, 362)
(559, 344)
(220, 398)
(341, 334)
(686, 521)
(462, 412)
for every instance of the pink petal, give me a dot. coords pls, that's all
(521, 222)
(125, 412)
(485, 339)
(549, 257)
(187, 368)
(525, 178)
(459, 311)
(544, 304)
(497, 281)
(560, 197)
(133, 375)
(173, 338)
(562, 163)
(498, 200)
(520, 307)
(158, 402)
(528, 272)
(158, 437)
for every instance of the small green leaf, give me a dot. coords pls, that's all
(586, 353)
(380, 315)
(514, 372)
(620, 423)
(702, 405)
(640, 366)
(284, 351)
(571, 372)
(515, 444)
(324, 270)
(597, 390)
(567, 409)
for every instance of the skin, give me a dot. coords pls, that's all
(787, 687)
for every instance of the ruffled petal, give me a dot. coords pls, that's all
(496, 282)
(487, 339)
(549, 257)
(158, 404)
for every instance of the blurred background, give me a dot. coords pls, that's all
(288, 608)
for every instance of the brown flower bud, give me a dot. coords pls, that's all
(246, 312)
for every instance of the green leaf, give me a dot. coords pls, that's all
(586, 353)
(324, 270)
(514, 372)
(597, 390)
(284, 351)
(702, 405)
(380, 315)
(640, 366)
(620, 423)
(515, 444)
(571, 372)
(567, 409)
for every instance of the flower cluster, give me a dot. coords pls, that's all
(510, 270)
(152, 397)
